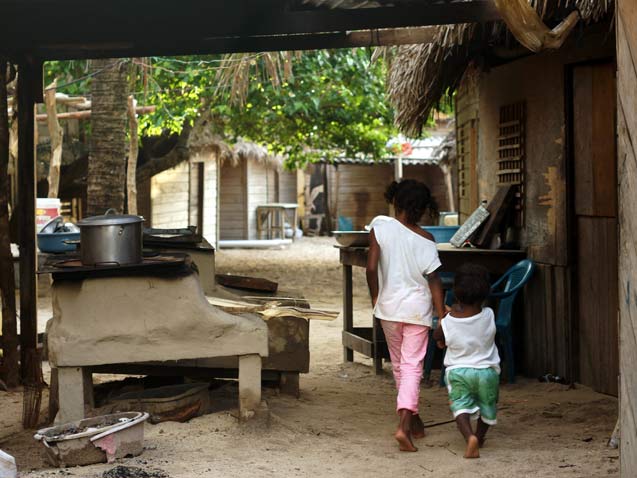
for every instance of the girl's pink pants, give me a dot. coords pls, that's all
(407, 345)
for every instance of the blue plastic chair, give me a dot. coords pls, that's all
(505, 289)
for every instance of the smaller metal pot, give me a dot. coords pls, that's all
(111, 239)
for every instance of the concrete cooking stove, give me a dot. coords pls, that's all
(155, 311)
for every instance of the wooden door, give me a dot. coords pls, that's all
(595, 207)
(233, 201)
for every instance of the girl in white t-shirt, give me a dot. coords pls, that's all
(471, 360)
(406, 292)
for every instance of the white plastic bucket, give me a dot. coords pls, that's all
(45, 210)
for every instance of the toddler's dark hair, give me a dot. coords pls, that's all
(412, 197)
(471, 284)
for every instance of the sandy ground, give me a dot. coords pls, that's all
(343, 422)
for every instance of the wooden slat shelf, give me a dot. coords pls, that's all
(511, 158)
(509, 146)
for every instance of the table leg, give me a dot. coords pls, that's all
(282, 224)
(376, 335)
(348, 310)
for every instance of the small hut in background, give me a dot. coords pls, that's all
(187, 193)
(249, 178)
(356, 186)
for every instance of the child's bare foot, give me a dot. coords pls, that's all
(473, 447)
(404, 441)
(481, 441)
(417, 427)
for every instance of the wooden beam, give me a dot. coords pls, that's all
(258, 43)
(55, 32)
(9, 337)
(133, 151)
(57, 138)
(140, 110)
(27, 77)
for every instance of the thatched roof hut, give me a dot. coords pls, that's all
(248, 151)
(420, 75)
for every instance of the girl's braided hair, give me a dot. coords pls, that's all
(412, 197)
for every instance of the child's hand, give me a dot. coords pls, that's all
(440, 344)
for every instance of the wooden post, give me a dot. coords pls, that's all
(626, 19)
(398, 169)
(450, 196)
(328, 212)
(27, 77)
(7, 286)
(57, 137)
(348, 309)
(300, 191)
(133, 151)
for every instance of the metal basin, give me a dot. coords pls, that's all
(352, 238)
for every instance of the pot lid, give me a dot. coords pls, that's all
(110, 220)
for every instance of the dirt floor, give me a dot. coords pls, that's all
(342, 425)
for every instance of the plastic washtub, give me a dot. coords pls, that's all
(442, 233)
(94, 440)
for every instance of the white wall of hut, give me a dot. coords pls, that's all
(175, 201)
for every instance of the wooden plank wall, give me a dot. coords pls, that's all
(169, 197)
(434, 178)
(546, 326)
(627, 175)
(467, 106)
(597, 303)
(262, 189)
(287, 186)
(595, 208)
(357, 191)
(233, 202)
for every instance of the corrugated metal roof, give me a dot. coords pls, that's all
(425, 151)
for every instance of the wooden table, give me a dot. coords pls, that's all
(271, 219)
(370, 341)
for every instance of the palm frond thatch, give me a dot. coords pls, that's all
(420, 75)
(248, 151)
(236, 70)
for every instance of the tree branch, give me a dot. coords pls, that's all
(176, 155)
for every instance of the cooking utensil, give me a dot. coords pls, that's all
(111, 239)
(56, 236)
(56, 242)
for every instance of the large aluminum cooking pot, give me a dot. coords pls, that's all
(111, 239)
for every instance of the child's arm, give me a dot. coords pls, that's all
(372, 267)
(439, 335)
(437, 294)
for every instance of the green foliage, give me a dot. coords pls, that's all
(331, 103)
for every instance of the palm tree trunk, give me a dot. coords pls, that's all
(106, 182)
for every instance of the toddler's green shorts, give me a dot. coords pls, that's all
(474, 391)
